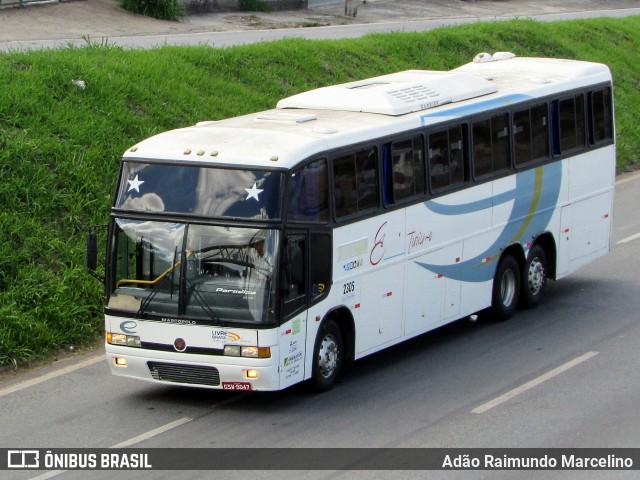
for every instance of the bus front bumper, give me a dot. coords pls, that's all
(221, 373)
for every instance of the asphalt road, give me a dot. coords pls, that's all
(566, 374)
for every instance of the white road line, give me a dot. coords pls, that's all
(63, 371)
(629, 239)
(153, 433)
(533, 383)
(127, 443)
(44, 476)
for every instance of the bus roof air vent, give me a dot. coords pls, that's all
(395, 94)
(286, 117)
(487, 57)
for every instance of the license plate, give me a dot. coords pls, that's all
(236, 386)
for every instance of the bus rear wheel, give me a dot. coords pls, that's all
(534, 277)
(506, 289)
(327, 356)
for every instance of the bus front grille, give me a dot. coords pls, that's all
(191, 374)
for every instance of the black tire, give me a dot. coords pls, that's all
(534, 277)
(506, 289)
(327, 356)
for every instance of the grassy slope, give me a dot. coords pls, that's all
(60, 145)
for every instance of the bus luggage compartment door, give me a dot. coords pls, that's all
(585, 232)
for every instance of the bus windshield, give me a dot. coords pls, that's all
(190, 271)
(211, 192)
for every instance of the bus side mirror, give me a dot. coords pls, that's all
(92, 250)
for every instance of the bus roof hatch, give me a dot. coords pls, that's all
(395, 94)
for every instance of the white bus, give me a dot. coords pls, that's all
(257, 252)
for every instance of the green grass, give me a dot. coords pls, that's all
(60, 145)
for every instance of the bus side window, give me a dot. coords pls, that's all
(446, 158)
(408, 168)
(540, 132)
(500, 142)
(457, 156)
(367, 179)
(308, 199)
(530, 135)
(491, 145)
(439, 166)
(601, 123)
(402, 170)
(355, 182)
(482, 157)
(571, 123)
(344, 186)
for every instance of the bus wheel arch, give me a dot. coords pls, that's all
(548, 244)
(506, 283)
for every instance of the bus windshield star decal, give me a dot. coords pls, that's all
(135, 184)
(253, 192)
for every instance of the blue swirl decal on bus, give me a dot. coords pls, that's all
(534, 197)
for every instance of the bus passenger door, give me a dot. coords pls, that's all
(294, 291)
(306, 283)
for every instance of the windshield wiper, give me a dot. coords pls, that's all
(201, 301)
(156, 284)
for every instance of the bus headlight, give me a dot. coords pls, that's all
(122, 339)
(251, 352)
(248, 352)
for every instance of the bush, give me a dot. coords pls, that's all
(256, 6)
(162, 9)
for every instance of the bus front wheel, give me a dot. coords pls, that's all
(506, 289)
(327, 356)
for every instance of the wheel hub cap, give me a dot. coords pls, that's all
(328, 356)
